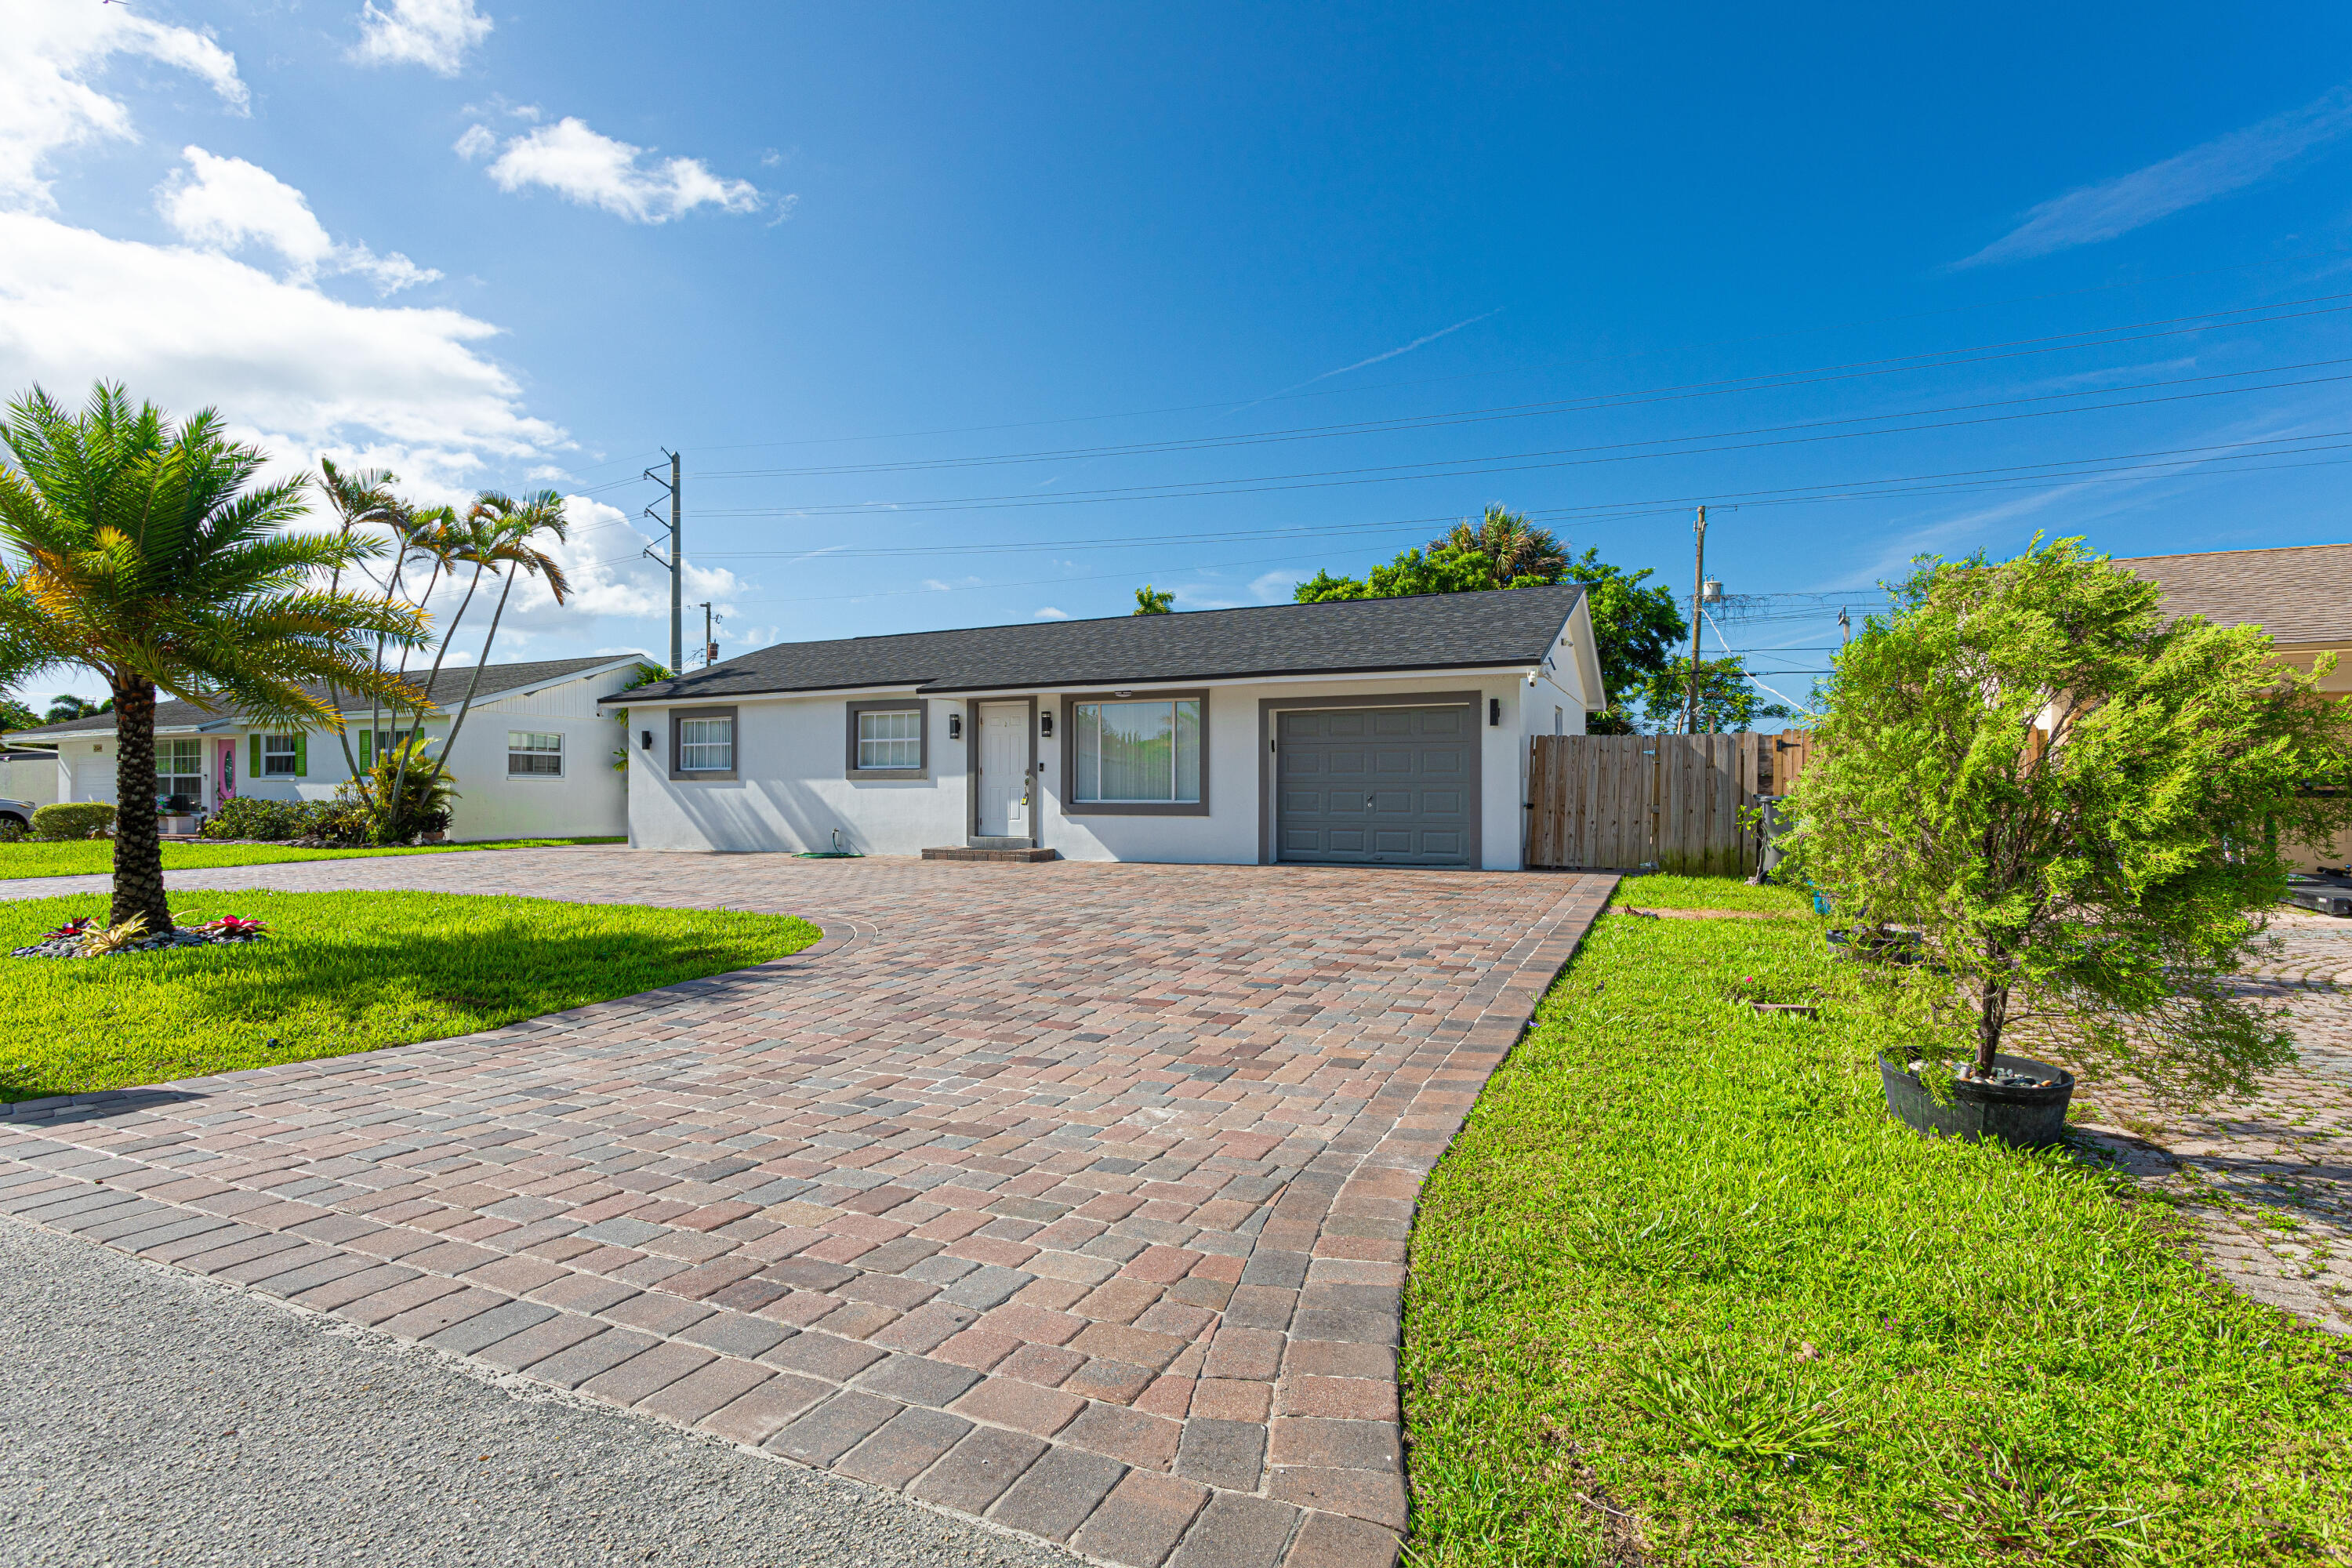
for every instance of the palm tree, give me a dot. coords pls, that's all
(144, 552)
(1516, 549)
(501, 530)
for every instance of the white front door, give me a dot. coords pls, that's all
(1004, 770)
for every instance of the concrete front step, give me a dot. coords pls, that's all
(995, 857)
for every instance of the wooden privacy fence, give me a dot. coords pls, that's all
(1672, 802)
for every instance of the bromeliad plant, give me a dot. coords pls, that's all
(2080, 804)
(145, 551)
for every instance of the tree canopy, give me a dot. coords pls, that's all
(146, 552)
(2080, 804)
(1635, 624)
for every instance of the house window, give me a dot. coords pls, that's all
(705, 745)
(890, 738)
(281, 755)
(180, 770)
(886, 738)
(386, 742)
(1138, 753)
(531, 754)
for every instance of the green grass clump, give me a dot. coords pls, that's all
(95, 857)
(338, 973)
(1663, 892)
(1682, 1292)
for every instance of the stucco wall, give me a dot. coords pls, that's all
(586, 801)
(789, 792)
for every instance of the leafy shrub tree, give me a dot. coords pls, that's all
(1728, 700)
(72, 819)
(250, 816)
(2080, 804)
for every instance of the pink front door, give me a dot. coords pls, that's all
(227, 773)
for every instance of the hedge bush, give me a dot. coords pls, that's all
(247, 817)
(72, 819)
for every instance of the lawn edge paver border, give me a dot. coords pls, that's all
(1313, 1295)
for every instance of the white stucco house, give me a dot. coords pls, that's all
(1373, 732)
(535, 759)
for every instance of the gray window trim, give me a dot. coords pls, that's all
(677, 716)
(1073, 806)
(972, 835)
(1267, 707)
(921, 707)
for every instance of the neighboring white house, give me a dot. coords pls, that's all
(28, 774)
(535, 759)
(1387, 731)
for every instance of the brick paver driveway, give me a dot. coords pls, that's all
(1071, 1196)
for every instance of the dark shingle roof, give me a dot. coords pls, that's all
(2295, 593)
(1435, 631)
(448, 691)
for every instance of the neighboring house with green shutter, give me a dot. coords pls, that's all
(534, 760)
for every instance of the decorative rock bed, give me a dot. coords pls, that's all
(83, 939)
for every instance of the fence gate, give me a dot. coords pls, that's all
(1672, 802)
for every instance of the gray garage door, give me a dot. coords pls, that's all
(1390, 786)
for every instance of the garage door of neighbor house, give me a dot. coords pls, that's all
(1388, 787)
(94, 780)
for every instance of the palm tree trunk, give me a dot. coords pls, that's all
(450, 747)
(416, 731)
(138, 849)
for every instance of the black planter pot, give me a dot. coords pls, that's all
(2028, 1118)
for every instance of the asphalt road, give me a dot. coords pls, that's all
(152, 1417)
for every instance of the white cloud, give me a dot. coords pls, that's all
(596, 171)
(605, 562)
(435, 34)
(224, 203)
(1275, 587)
(296, 370)
(49, 51)
(478, 140)
(1050, 614)
(2130, 201)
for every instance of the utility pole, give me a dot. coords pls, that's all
(709, 638)
(677, 558)
(1698, 587)
(1845, 628)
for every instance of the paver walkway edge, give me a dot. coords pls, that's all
(1073, 1198)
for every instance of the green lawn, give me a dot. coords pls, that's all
(1659, 893)
(95, 857)
(1680, 1292)
(340, 973)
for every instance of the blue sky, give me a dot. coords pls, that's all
(965, 315)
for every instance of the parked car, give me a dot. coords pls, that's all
(19, 812)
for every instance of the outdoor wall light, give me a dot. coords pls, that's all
(644, 740)
(1046, 724)
(1494, 712)
(955, 726)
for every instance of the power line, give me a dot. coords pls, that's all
(1950, 481)
(1565, 457)
(1774, 381)
(1237, 403)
